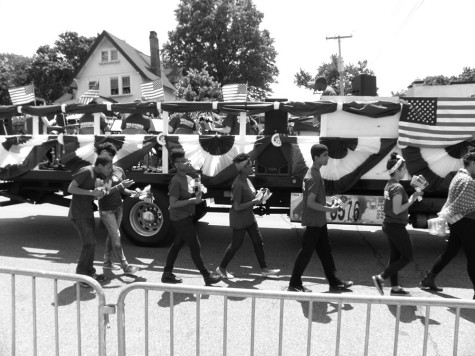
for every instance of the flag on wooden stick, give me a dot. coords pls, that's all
(234, 92)
(90, 95)
(22, 95)
(152, 90)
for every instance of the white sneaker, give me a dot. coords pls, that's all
(269, 272)
(223, 273)
(111, 266)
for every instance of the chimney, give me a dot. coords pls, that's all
(154, 53)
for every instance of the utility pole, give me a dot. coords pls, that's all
(340, 61)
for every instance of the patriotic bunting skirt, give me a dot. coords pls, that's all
(350, 158)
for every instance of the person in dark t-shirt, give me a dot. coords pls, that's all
(242, 219)
(181, 212)
(396, 207)
(316, 237)
(84, 189)
(136, 121)
(182, 125)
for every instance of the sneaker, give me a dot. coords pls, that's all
(300, 289)
(111, 266)
(341, 285)
(428, 283)
(85, 285)
(223, 273)
(400, 292)
(266, 272)
(99, 277)
(212, 278)
(168, 277)
(131, 270)
(379, 284)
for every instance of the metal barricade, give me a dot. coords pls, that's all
(20, 298)
(310, 300)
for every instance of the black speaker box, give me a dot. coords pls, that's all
(276, 121)
(272, 161)
(364, 85)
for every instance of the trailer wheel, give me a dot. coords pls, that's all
(147, 224)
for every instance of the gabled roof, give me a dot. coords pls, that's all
(140, 61)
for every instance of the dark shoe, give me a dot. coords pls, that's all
(169, 277)
(99, 277)
(400, 293)
(212, 278)
(379, 284)
(428, 283)
(300, 289)
(341, 285)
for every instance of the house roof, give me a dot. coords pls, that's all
(140, 61)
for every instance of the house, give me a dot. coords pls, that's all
(120, 69)
(454, 89)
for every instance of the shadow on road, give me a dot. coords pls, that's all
(409, 314)
(165, 301)
(322, 310)
(68, 295)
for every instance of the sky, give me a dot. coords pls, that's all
(403, 40)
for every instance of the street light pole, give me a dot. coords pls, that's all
(340, 62)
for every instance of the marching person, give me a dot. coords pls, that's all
(459, 212)
(84, 191)
(182, 210)
(110, 211)
(242, 219)
(314, 218)
(396, 205)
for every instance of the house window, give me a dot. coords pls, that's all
(125, 85)
(93, 85)
(104, 56)
(114, 86)
(114, 55)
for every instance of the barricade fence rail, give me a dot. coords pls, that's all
(342, 301)
(185, 320)
(24, 306)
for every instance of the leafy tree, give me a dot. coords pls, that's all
(51, 73)
(331, 74)
(74, 48)
(223, 37)
(198, 86)
(13, 73)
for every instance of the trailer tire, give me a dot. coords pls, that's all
(147, 224)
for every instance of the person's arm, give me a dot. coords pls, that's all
(76, 190)
(224, 130)
(398, 207)
(237, 196)
(312, 204)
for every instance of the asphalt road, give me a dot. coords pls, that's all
(42, 238)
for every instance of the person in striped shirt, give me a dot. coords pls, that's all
(459, 212)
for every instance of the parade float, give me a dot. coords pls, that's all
(432, 134)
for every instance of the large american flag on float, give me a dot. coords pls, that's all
(22, 95)
(436, 122)
(152, 90)
(234, 92)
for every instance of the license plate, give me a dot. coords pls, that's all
(358, 209)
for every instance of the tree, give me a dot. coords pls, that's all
(331, 74)
(198, 86)
(223, 37)
(13, 73)
(53, 68)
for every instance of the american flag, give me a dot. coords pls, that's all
(234, 92)
(436, 122)
(22, 95)
(152, 90)
(90, 95)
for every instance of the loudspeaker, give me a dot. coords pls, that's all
(272, 161)
(364, 85)
(276, 121)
